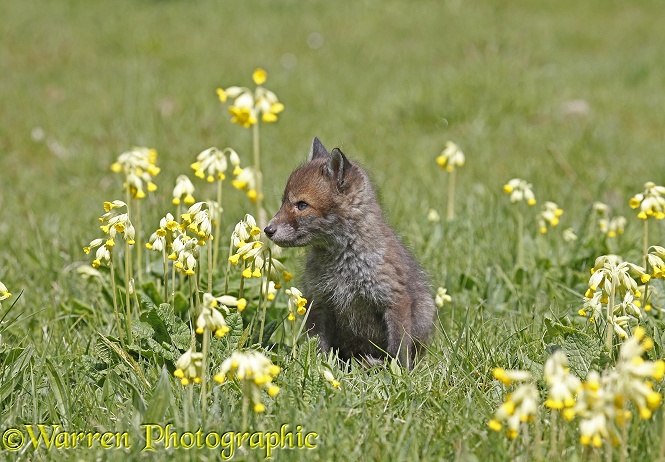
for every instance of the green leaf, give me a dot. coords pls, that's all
(151, 291)
(58, 390)
(161, 398)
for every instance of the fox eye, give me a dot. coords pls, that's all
(302, 205)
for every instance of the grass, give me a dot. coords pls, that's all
(389, 82)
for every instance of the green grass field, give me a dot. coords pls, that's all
(567, 95)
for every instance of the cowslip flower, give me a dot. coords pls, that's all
(328, 375)
(651, 202)
(4, 293)
(211, 318)
(595, 406)
(296, 303)
(656, 261)
(162, 238)
(633, 373)
(183, 191)
(249, 105)
(609, 226)
(520, 406)
(562, 385)
(520, 190)
(139, 167)
(549, 215)
(211, 164)
(569, 235)
(189, 367)
(451, 157)
(255, 370)
(197, 220)
(441, 297)
(246, 181)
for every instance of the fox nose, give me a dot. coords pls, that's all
(270, 230)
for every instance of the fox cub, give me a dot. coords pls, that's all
(367, 294)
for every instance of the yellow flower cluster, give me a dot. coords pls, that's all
(451, 157)
(520, 190)
(189, 367)
(4, 293)
(211, 164)
(211, 318)
(610, 226)
(611, 279)
(603, 401)
(520, 406)
(549, 215)
(255, 370)
(113, 222)
(651, 202)
(249, 105)
(246, 239)
(139, 166)
(183, 191)
(163, 237)
(296, 303)
(563, 386)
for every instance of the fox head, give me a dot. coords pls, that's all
(315, 200)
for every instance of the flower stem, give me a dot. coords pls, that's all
(245, 404)
(264, 297)
(553, 435)
(260, 213)
(451, 196)
(128, 278)
(139, 250)
(115, 303)
(204, 381)
(645, 251)
(166, 276)
(609, 336)
(520, 239)
(210, 265)
(218, 225)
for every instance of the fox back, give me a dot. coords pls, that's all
(367, 295)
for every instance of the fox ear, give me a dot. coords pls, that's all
(317, 150)
(337, 167)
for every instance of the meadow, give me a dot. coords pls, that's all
(566, 95)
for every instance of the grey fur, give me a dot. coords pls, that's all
(368, 296)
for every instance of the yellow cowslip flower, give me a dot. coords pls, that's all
(297, 303)
(113, 222)
(520, 190)
(162, 238)
(4, 293)
(511, 375)
(451, 157)
(656, 262)
(569, 235)
(139, 167)
(211, 318)
(259, 76)
(520, 407)
(596, 409)
(441, 297)
(185, 254)
(183, 191)
(189, 367)
(651, 202)
(211, 164)
(249, 105)
(269, 290)
(246, 181)
(330, 378)
(257, 372)
(549, 215)
(198, 221)
(609, 226)
(563, 386)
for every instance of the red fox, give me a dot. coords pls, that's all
(367, 295)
